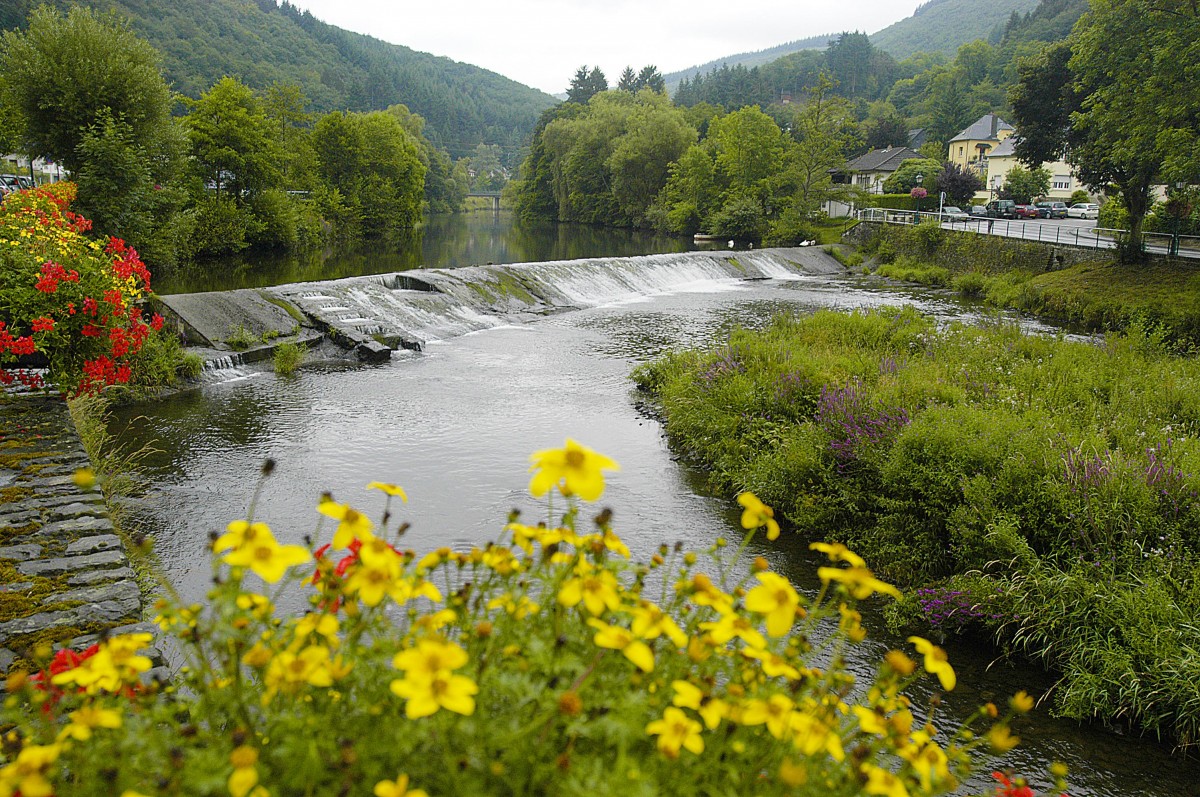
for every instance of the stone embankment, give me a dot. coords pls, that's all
(65, 576)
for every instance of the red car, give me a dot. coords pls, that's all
(1027, 212)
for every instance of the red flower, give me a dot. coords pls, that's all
(46, 285)
(90, 331)
(43, 324)
(89, 305)
(156, 321)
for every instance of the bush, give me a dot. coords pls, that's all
(429, 671)
(979, 452)
(68, 299)
(287, 358)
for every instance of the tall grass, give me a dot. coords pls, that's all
(1047, 481)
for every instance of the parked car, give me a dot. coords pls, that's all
(1027, 212)
(952, 213)
(1002, 209)
(11, 182)
(1084, 210)
(1053, 210)
(978, 210)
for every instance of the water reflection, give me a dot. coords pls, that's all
(443, 241)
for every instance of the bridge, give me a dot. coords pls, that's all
(493, 195)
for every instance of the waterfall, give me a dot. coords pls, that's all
(410, 307)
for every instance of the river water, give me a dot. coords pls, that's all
(454, 425)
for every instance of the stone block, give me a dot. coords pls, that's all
(68, 564)
(94, 544)
(20, 553)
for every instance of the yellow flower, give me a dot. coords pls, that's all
(1021, 702)
(616, 638)
(838, 553)
(352, 524)
(734, 625)
(756, 513)
(859, 581)
(597, 590)
(430, 657)
(28, 772)
(574, 469)
(425, 695)
(775, 711)
(116, 664)
(811, 735)
(85, 719)
(376, 572)
(238, 533)
(397, 788)
(85, 478)
(325, 625)
(266, 557)
(711, 709)
(773, 665)
(390, 490)
(244, 776)
(651, 622)
(518, 608)
(1001, 739)
(775, 598)
(882, 782)
(676, 731)
(936, 662)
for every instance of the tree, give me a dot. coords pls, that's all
(904, 179)
(234, 143)
(651, 78)
(1025, 185)
(65, 75)
(749, 148)
(959, 184)
(886, 131)
(373, 162)
(1118, 99)
(628, 80)
(586, 85)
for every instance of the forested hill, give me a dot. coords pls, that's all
(938, 26)
(748, 60)
(945, 25)
(262, 42)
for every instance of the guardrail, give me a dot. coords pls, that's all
(1044, 232)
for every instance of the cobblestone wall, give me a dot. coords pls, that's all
(65, 576)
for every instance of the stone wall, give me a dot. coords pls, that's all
(65, 576)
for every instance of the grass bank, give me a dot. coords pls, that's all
(1037, 490)
(1085, 289)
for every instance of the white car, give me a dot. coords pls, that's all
(952, 213)
(1084, 210)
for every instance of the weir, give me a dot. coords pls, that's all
(376, 314)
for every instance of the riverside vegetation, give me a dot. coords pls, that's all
(1097, 294)
(1034, 490)
(422, 674)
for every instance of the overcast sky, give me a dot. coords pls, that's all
(542, 42)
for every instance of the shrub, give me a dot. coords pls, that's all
(287, 358)
(67, 298)
(431, 671)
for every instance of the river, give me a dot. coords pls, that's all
(454, 425)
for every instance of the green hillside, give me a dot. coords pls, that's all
(945, 25)
(756, 58)
(262, 42)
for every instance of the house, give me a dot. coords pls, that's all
(970, 148)
(870, 170)
(1003, 158)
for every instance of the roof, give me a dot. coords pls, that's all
(918, 136)
(982, 129)
(1005, 149)
(882, 160)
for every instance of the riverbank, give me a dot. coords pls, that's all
(1036, 491)
(1074, 287)
(65, 574)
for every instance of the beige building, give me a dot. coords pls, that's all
(1003, 158)
(971, 147)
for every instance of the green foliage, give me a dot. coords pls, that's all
(287, 358)
(946, 25)
(1025, 185)
(374, 165)
(67, 74)
(904, 179)
(1046, 489)
(234, 144)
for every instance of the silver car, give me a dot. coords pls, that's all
(1084, 210)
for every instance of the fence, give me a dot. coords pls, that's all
(1044, 232)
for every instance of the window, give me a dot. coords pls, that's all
(960, 152)
(1062, 182)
